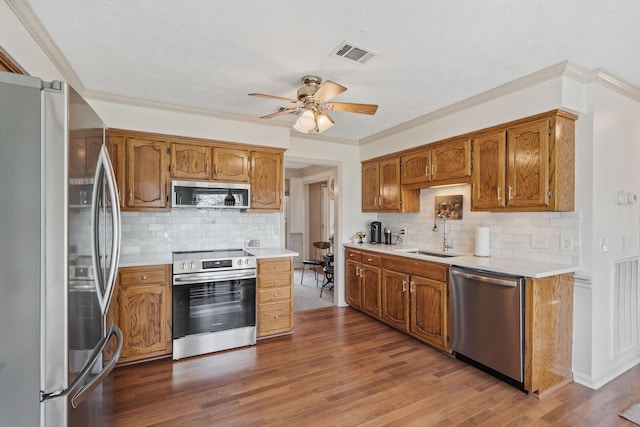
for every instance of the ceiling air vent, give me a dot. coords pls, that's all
(352, 53)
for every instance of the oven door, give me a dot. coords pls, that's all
(211, 305)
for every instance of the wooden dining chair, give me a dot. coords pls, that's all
(317, 262)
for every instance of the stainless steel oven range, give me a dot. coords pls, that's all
(214, 301)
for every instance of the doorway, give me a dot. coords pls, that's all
(309, 217)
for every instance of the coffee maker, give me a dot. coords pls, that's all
(376, 232)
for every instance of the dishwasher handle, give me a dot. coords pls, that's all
(486, 279)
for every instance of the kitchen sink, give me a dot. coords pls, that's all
(429, 253)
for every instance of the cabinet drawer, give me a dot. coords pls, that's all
(274, 280)
(371, 259)
(274, 294)
(275, 316)
(353, 255)
(143, 275)
(275, 265)
(430, 270)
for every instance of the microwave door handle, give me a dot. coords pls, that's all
(84, 391)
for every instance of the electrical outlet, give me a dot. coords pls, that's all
(604, 244)
(403, 231)
(566, 243)
(540, 241)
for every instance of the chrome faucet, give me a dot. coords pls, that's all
(446, 244)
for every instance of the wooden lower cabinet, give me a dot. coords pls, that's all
(548, 333)
(407, 294)
(363, 281)
(275, 297)
(416, 305)
(143, 312)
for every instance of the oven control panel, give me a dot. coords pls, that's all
(200, 266)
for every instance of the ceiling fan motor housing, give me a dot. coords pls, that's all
(310, 86)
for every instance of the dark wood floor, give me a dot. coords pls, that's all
(342, 368)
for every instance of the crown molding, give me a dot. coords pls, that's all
(32, 24)
(565, 69)
(614, 83)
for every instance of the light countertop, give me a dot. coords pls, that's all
(512, 266)
(271, 252)
(136, 260)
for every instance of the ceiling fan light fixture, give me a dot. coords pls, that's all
(323, 122)
(306, 122)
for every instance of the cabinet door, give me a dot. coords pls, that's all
(451, 160)
(390, 185)
(528, 165)
(147, 174)
(266, 180)
(370, 186)
(370, 297)
(429, 310)
(231, 165)
(416, 167)
(395, 299)
(488, 180)
(190, 161)
(353, 292)
(143, 319)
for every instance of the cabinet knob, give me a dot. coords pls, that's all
(275, 316)
(274, 281)
(275, 294)
(144, 277)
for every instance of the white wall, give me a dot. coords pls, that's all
(615, 151)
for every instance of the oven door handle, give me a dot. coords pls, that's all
(192, 278)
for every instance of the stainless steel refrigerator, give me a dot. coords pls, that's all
(59, 253)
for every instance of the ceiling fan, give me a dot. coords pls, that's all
(313, 97)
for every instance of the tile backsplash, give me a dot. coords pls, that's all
(533, 236)
(196, 229)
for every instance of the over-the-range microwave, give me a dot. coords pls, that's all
(209, 195)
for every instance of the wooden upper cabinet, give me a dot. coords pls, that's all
(451, 160)
(147, 174)
(390, 185)
(266, 180)
(444, 163)
(381, 189)
(488, 180)
(190, 161)
(231, 164)
(416, 167)
(8, 65)
(530, 166)
(370, 186)
(209, 163)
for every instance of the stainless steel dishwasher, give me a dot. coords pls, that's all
(487, 324)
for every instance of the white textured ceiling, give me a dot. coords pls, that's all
(210, 54)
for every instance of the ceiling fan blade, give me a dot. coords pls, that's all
(279, 113)
(328, 90)
(352, 108)
(262, 95)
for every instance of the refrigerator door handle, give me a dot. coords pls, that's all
(78, 383)
(86, 389)
(104, 286)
